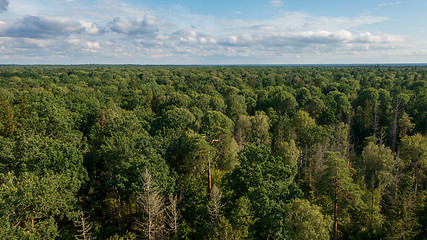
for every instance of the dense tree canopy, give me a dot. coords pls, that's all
(249, 152)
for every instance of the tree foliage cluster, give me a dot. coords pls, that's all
(167, 152)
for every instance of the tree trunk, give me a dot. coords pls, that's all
(394, 130)
(209, 166)
(300, 165)
(375, 123)
(336, 214)
(209, 175)
(347, 155)
(415, 179)
(372, 205)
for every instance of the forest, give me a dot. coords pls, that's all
(213, 152)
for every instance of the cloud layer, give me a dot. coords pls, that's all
(48, 27)
(148, 37)
(3, 5)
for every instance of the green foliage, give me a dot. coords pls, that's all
(32, 205)
(194, 195)
(216, 125)
(253, 129)
(224, 230)
(189, 154)
(79, 138)
(413, 151)
(306, 221)
(227, 150)
(243, 219)
(127, 236)
(268, 182)
(339, 188)
(259, 131)
(377, 167)
(179, 119)
(285, 103)
(236, 105)
(378, 161)
(289, 152)
(7, 119)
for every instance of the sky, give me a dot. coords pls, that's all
(213, 32)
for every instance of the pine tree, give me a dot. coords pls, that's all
(337, 184)
(215, 208)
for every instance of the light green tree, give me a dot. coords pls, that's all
(243, 219)
(378, 165)
(337, 184)
(306, 221)
(413, 151)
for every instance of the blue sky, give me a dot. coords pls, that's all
(212, 32)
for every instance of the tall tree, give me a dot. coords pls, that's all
(189, 154)
(242, 130)
(173, 216)
(377, 164)
(268, 183)
(242, 218)
(413, 150)
(259, 131)
(152, 222)
(215, 206)
(337, 184)
(400, 100)
(377, 168)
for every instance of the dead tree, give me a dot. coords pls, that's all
(152, 222)
(84, 227)
(173, 216)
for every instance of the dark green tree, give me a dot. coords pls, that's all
(268, 183)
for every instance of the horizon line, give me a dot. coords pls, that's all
(217, 65)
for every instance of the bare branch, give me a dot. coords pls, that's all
(84, 227)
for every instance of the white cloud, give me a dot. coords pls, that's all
(47, 27)
(162, 37)
(84, 45)
(276, 3)
(178, 35)
(233, 39)
(368, 37)
(213, 41)
(37, 43)
(388, 4)
(90, 28)
(281, 42)
(147, 25)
